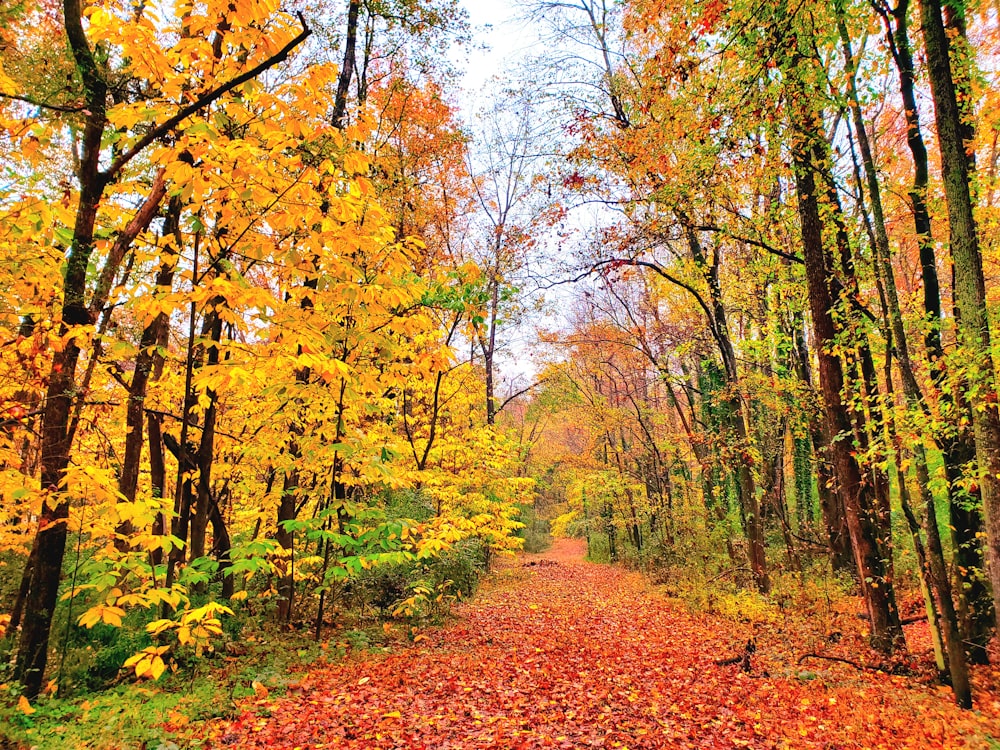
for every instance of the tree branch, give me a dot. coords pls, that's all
(750, 241)
(520, 393)
(139, 223)
(165, 127)
(35, 103)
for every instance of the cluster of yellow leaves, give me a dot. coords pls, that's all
(148, 662)
(282, 237)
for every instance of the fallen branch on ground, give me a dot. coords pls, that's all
(743, 659)
(896, 669)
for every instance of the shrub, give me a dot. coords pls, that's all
(537, 532)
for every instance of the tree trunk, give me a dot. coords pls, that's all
(145, 361)
(50, 542)
(347, 67)
(858, 501)
(205, 456)
(970, 286)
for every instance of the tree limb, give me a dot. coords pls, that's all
(520, 393)
(203, 101)
(69, 109)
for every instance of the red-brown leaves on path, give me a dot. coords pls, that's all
(567, 654)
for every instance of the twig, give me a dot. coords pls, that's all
(725, 573)
(898, 669)
(743, 659)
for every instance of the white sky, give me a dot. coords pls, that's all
(505, 40)
(500, 43)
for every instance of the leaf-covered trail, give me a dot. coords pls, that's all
(557, 652)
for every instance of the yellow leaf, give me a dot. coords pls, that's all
(24, 707)
(392, 715)
(157, 667)
(158, 626)
(112, 616)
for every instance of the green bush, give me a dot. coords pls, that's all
(456, 572)
(537, 532)
(379, 588)
(463, 565)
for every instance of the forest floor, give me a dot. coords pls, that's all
(559, 652)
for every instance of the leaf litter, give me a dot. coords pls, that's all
(556, 652)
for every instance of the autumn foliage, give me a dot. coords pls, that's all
(269, 292)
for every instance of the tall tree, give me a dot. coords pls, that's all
(970, 284)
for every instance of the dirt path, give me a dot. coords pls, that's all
(557, 652)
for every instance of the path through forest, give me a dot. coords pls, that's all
(558, 652)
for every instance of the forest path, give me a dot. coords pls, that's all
(558, 652)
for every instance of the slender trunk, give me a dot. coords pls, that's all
(205, 455)
(488, 345)
(157, 476)
(17, 611)
(924, 574)
(348, 66)
(970, 286)
(145, 361)
(858, 501)
(182, 485)
(222, 546)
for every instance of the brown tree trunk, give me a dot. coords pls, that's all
(970, 286)
(858, 499)
(50, 542)
(830, 502)
(146, 359)
(348, 66)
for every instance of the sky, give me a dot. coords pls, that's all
(499, 40)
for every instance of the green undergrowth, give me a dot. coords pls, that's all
(101, 704)
(170, 713)
(536, 535)
(167, 713)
